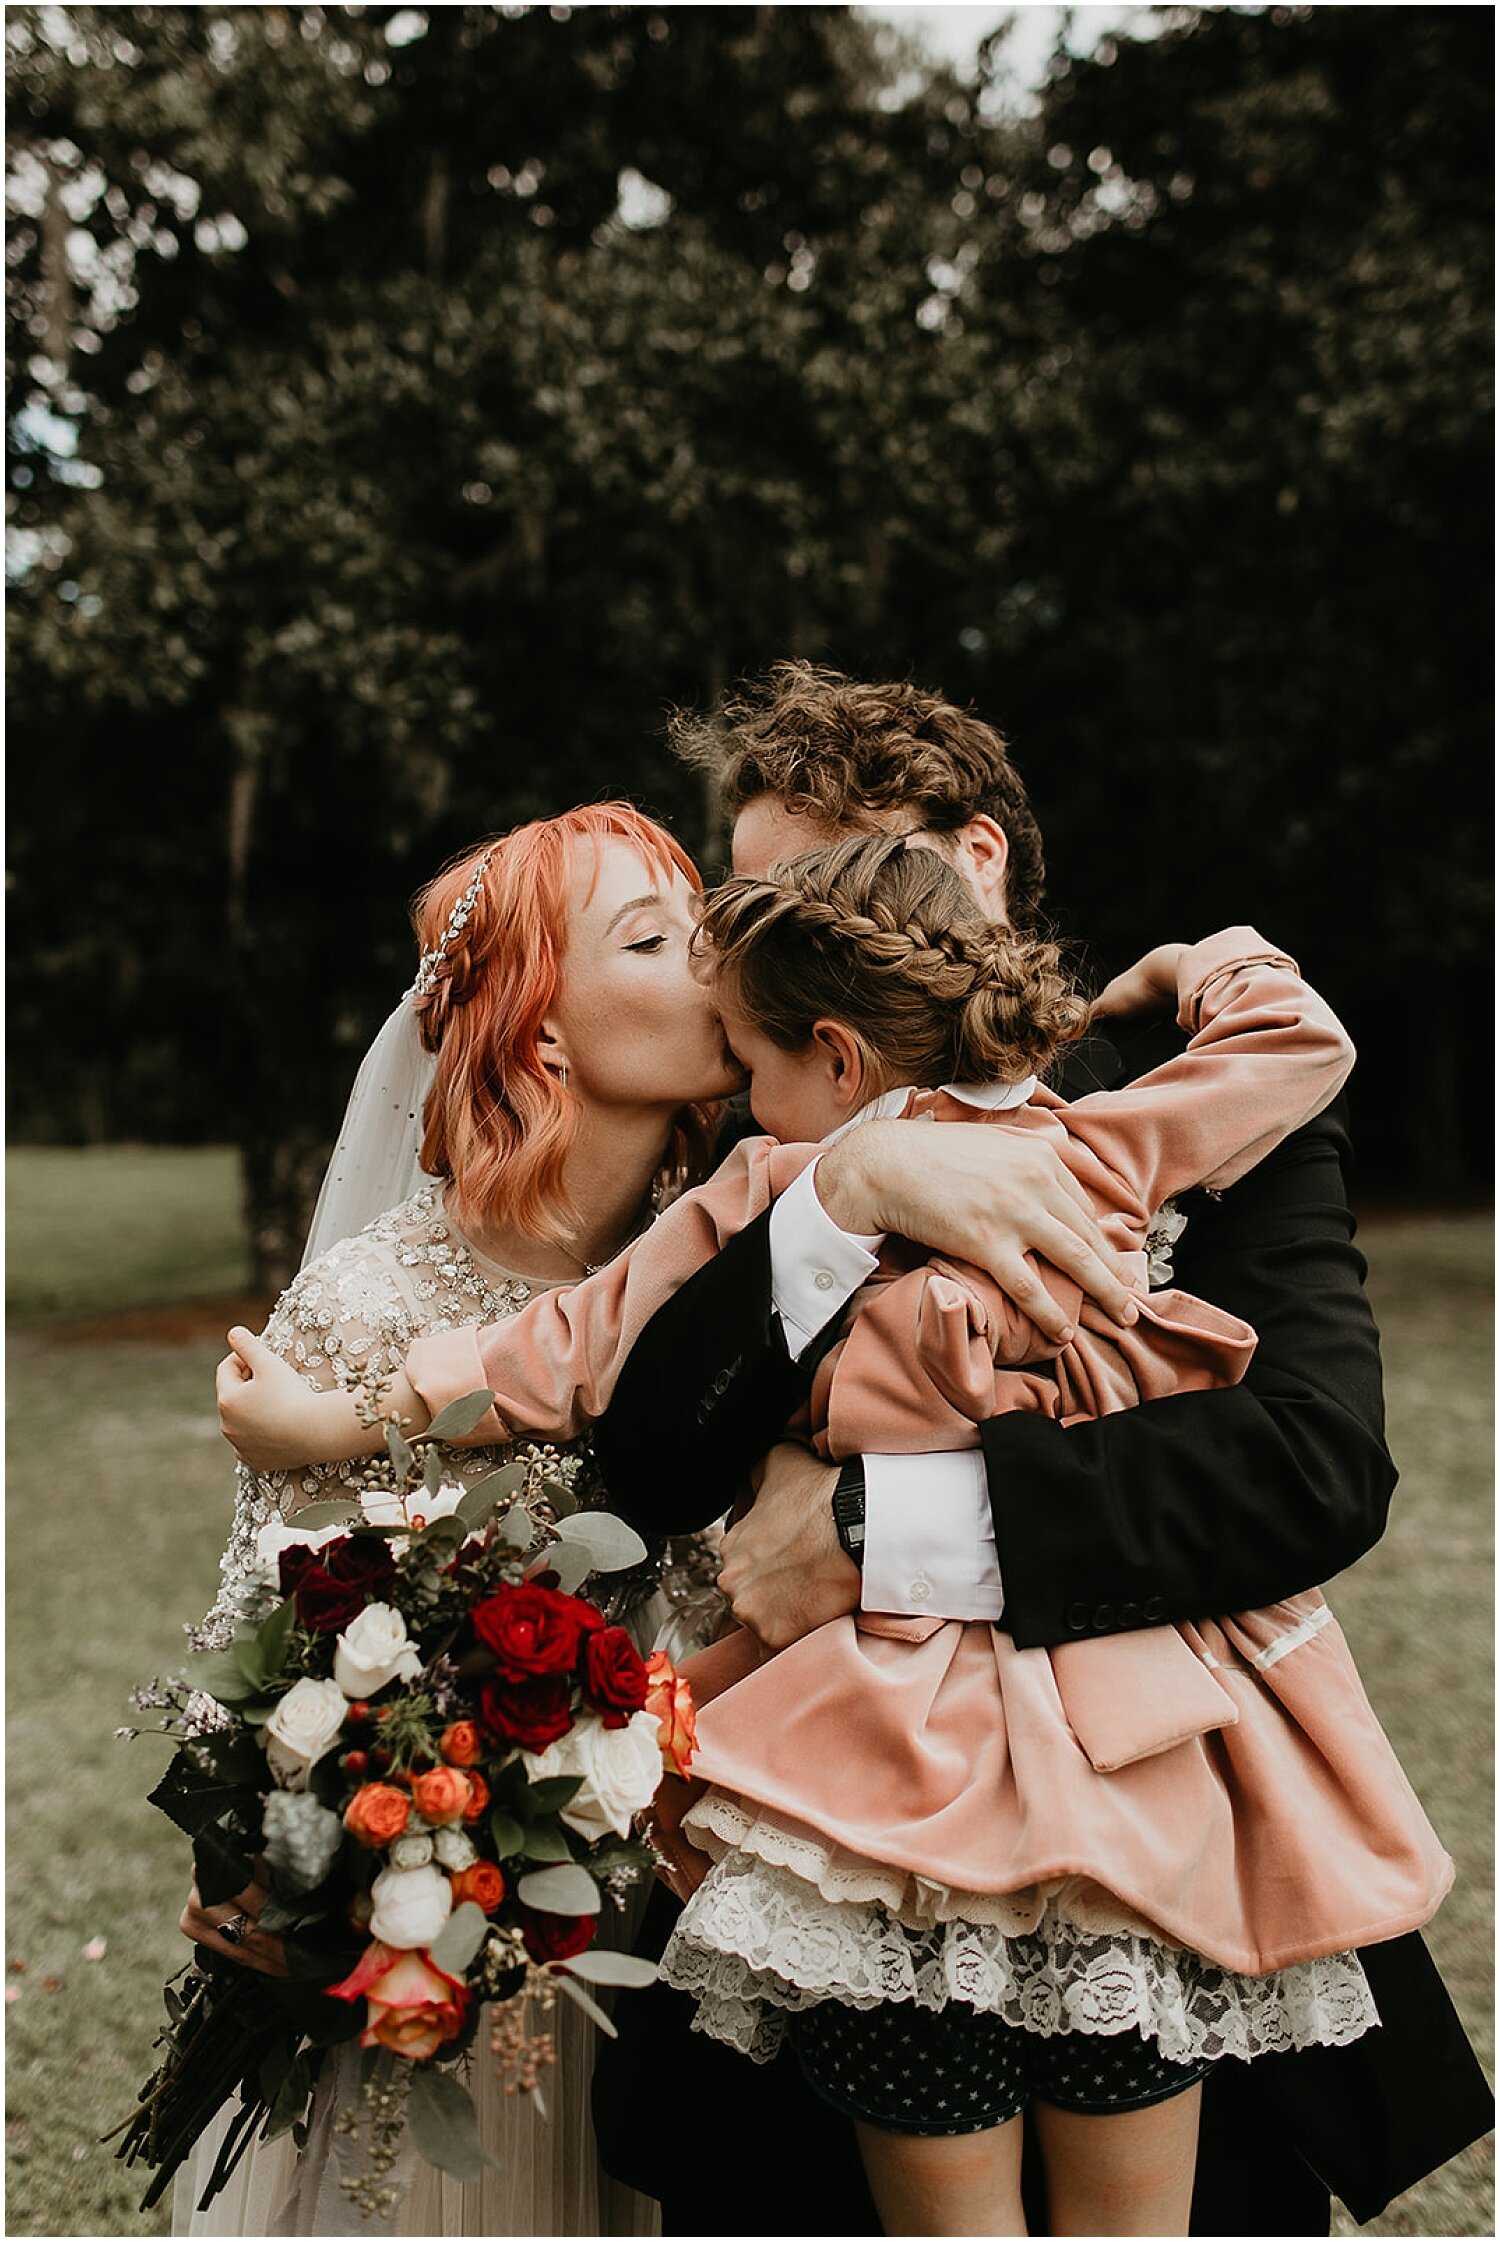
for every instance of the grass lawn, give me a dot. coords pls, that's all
(118, 1504)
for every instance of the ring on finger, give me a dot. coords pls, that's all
(233, 1929)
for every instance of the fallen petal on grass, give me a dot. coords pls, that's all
(12, 1993)
(96, 1949)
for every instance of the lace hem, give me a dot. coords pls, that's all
(755, 1942)
(720, 1823)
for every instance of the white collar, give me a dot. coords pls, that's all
(987, 1097)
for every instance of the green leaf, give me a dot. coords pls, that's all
(612, 1545)
(517, 1527)
(400, 1452)
(507, 1834)
(460, 1417)
(248, 1657)
(219, 1674)
(563, 1500)
(601, 1966)
(432, 1471)
(550, 1795)
(274, 1635)
(460, 1939)
(221, 1865)
(194, 1799)
(258, 1710)
(568, 1890)
(580, 1999)
(444, 2127)
(546, 1843)
(327, 1514)
(571, 1563)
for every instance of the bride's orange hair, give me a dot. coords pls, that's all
(497, 1120)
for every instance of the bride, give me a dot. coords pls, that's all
(574, 1059)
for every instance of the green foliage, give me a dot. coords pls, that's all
(381, 469)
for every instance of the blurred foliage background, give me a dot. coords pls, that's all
(406, 408)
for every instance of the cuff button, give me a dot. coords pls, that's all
(920, 1589)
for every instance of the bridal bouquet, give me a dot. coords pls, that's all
(433, 1749)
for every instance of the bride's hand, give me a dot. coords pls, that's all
(273, 1421)
(253, 1949)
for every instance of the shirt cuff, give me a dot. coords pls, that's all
(930, 1537)
(815, 1266)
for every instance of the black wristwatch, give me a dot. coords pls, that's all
(849, 1509)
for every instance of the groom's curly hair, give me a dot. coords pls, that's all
(846, 754)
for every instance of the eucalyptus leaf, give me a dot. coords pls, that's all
(602, 1966)
(444, 2127)
(327, 1514)
(571, 1562)
(400, 1451)
(288, 2106)
(460, 1939)
(433, 1468)
(577, 1995)
(544, 1842)
(563, 1500)
(517, 1527)
(460, 1417)
(507, 1834)
(565, 1890)
(478, 1503)
(612, 1545)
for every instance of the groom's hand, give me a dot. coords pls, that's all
(784, 1571)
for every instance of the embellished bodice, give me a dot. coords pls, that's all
(347, 1320)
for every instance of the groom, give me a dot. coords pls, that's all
(1179, 1508)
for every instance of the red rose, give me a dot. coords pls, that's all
(614, 1674)
(534, 1630)
(532, 1714)
(333, 1584)
(552, 1938)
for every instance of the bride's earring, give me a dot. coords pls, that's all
(562, 1074)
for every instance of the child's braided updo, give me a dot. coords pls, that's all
(889, 941)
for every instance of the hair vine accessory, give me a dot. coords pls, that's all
(458, 918)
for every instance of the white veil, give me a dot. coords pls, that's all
(374, 1163)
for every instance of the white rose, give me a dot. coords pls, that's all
(409, 1905)
(441, 1503)
(620, 1767)
(305, 1725)
(373, 1650)
(454, 1848)
(279, 1535)
(412, 1849)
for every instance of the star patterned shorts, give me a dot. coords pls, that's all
(906, 2069)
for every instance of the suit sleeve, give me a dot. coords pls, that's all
(1216, 1501)
(706, 1390)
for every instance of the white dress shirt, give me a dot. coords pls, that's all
(929, 1533)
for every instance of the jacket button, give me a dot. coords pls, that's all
(1104, 1615)
(1155, 1608)
(1130, 1615)
(1077, 1616)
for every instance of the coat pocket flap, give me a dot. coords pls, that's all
(897, 1627)
(1130, 1696)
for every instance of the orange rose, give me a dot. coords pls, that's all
(481, 1882)
(377, 1813)
(414, 2008)
(440, 1795)
(461, 1744)
(670, 1698)
(479, 1798)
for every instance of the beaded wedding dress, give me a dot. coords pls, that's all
(355, 1311)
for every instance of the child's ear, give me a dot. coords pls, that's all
(845, 1061)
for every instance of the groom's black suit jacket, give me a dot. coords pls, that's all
(1196, 1504)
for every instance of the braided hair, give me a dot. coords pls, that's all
(889, 941)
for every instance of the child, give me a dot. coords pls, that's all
(972, 1878)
